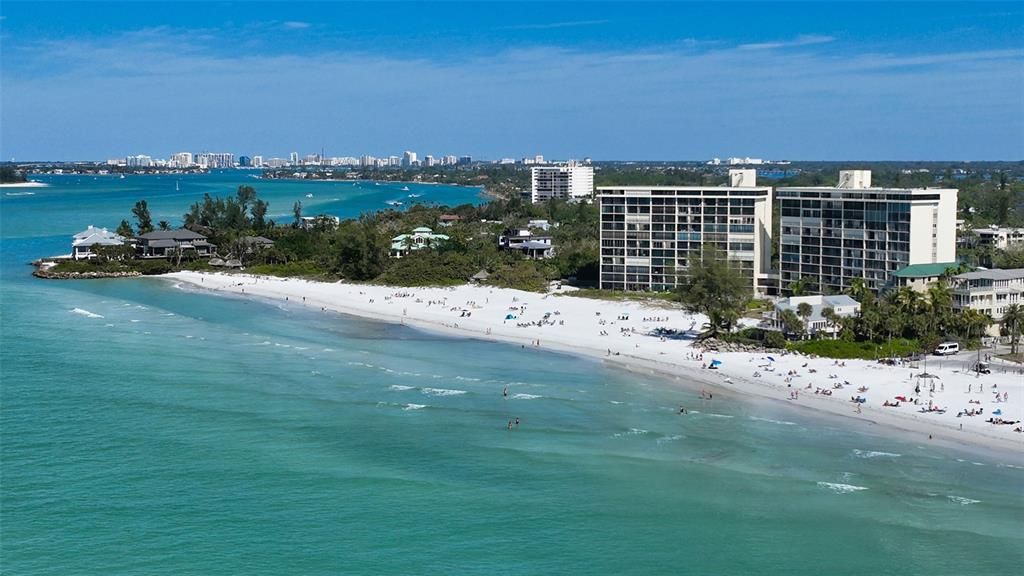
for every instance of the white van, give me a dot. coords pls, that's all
(947, 349)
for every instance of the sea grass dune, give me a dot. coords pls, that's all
(945, 403)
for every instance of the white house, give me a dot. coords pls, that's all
(842, 305)
(82, 243)
(989, 292)
(529, 245)
(420, 238)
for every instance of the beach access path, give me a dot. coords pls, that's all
(659, 339)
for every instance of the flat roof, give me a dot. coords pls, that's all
(924, 270)
(1011, 274)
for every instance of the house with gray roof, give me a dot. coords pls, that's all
(990, 292)
(83, 242)
(527, 243)
(841, 304)
(167, 243)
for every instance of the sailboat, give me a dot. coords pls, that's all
(177, 187)
(122, 176)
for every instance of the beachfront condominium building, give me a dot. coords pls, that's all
(990, 292)
(569, 181)
(1000, 237)
(650, 233)
(831, 236)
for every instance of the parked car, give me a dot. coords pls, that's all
(947, 349)
(981, 368)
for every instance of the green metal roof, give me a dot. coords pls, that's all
(924, 270)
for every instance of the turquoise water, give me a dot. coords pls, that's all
(161, 430)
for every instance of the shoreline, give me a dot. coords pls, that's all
(621, 346)
(29, 184)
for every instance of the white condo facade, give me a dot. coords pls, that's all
(570, 181)
(990, 292)
(649, 233)
(833, 235)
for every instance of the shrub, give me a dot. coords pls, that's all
(866, 350)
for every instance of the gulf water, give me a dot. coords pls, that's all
(146, 428)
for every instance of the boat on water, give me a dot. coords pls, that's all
(122, 176)
(405, 188)
(415, 195)
(394, 202)
(310, 195)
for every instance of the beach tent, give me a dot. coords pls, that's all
(510, 317)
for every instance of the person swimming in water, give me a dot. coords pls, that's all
(505, 392)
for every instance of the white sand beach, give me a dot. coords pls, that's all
(29, 184)
(627, 334)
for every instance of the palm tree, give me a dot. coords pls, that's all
(831, 320)
(1013, 324)
(791, 323)
(804, 311)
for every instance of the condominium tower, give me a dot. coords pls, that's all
(650, 233)
(833, 235)
(565, 181)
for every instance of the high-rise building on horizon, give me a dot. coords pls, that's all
(409, 159)
(649, 234)
(293, 158)
(831, 236)
(257, 161)
(565, 181)
(182, 160)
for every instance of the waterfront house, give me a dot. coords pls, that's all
(420, 238)
(167, 243)
(527, 243)
(540, 224)
(324, 221)
(920, 276)
(990, 292)
(446, 220)
(82, 243)
(841, 304)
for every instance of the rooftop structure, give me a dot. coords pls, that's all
(166, 243)
(999, 237)
(920, 276)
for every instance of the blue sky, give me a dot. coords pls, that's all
(614, 81)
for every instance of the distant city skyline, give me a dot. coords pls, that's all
(684, 81)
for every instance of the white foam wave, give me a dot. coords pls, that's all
(841, 488)
(874, 454)
(108, 325)
(414, 406)
(782, 422)
(19, 194)
(442, 392)
(85, 313)
(713, 415)
(963, 501)
(467, 378)
(526, 396)
(616, 402)
(133, 321)
(632, 432)
(665, 439)
(399, 387)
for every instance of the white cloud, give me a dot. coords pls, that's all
(296, 25)
(156, 88)
(554, 25)
(802, 40)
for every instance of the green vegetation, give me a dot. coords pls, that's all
(8, 175)
(715, 287)
(867, 350)
(655, 298)
(358, 249)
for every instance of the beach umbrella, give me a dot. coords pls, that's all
(716, 362)
(772, 359)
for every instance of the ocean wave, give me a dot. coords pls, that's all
(632, 432)
(963, 501)
(782, 422)
(414, 406)
(873, 454)
(665, 439)
(616, 402)
(133, 321)
(841, 488)
(713, 415)
(19, 194)
(442, 392)
(399, 387)
(467, 378)
(525, 396)
(85, 313)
